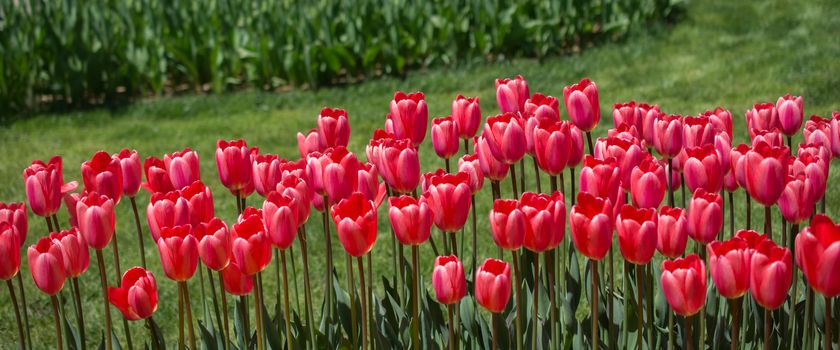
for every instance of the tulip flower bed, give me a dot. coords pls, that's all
(636, 196)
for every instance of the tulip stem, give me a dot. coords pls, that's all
(493, 330)
(351, 289)
(449, 309)
(682, 189)
(215, 297)
(119, 277)
(610, 330)
(466, 146)
(80, 314)
(245, 320)
(572, 182)
(768, 324)
(363, 299)
(522, 174)
(307, 294)
(188, 308)
(58, 338)
(258, 302)
(474, 234)
(513, 181)
(238, 203)
(749, 209)
(552, 295)
(286, 300)
(370, 314)
(639, 307)
(827, 327)
(670, 330)
(140, 243)
(154, 336)
(537, 175)
(446, 165)
(647, 286)
(689, 343)
(453, 239)
(101, 261)
(589, 142)
(735, 310)
(328, 248)
(49, 224)
(56, 226)
(21, 337)
(224, 313)
(768, 225)
(670, 180)
(517, 287)
(594, 300)
(794, 229)
(536, 298)
(415, 326)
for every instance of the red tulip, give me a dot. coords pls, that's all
(45, 186)
(131, 172)
(137, 295)
(508, 224)
(449, 197)
(721, 120)
(410, 219)
(340, 174)
(684, 284)
(400, 166)
(818, 130)
(448, 279)
(251, 244)
(649, 116)
(729, 265)
(505, 135)
(200, 201)
(10, 251)
(648, 183)
(697, 131)
(166, 210)
(729, 182)
(233, 160)
(280, 218)
(103, 174)
(835, 134)
(552, 141)
(815, 171)
(493, 285)
(817, 252)
(797, 200)
(546, 215)
(627, 114)
(736, 161)
(409, 117)
(157, 179)
(752, 238)
(627, 154)
(723, 148)
(178, 250)
(762, 116)
(296, 187)
(235, 282)
(765, 170)
(355, 222)
(600, 178)
(770, 274)
(773, 137)
(624, 132)
(592, 225)
(582, 104)
(214, 244)
(705, 215)
(668, 135)
(445, 137)
(467, 116)
(789, 110)
(672, 232)
(333, 128)
(95, 214)
(576, 151)
(266, 172)
(74, 250)
(15, 215)
(492, 168)
(637, 234)
(702, 169)
(538, 108)
(511, 94)
(309, 142)
(182, 167)
(368, 181)
(46, 262)
(470, 164)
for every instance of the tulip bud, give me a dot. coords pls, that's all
(576, 151)
(470, 164)
(130, 171)
(309, 142)
(448, 279)
(355, 222)
(697, 131)
(103, 174)
(409, 117)
(280, 218)
(627, 114)
(449, 197)
(467, 116)
(157, 179)
(552, 143)
(15, 215)
(9, 250)
(46, 263)
(729, 265)
(770, 274)
(815, 171)
(266, 172)
(789, 109)
(721, 120)
(649, 116)
(74, 250)
(251, 245)
(582, 104)
(137, 295)
(818, 130)
(668, 135)
(493, 285)
(200, 201)
(765, 170)
(235, 282)
(214, 244)
(400, 166)
(166, 210)
(684, 284)
(45, 186)
(772, 137)
(445, 137)
(178, 250)
(233, 160)
(637, 234)
(294, 186)
(592, 225)
(817, 255)
(796, 202)
(511, 94)
(182, 167)
(705, 215)
(648, 183)
(410, 219)
(762, 116)
(333, 128)
(546, 215)
(600, 178)
(672, 232)
(702, 169)
(508, 224)
(835, 134)
(492, 168)
(538, 109)
(95, 214)
(505, 135)
(627, 154)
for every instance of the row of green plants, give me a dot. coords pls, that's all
(70, 52)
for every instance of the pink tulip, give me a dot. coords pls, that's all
(762, 116)
(627, 153)
(409, 117)
(200, 201)
(10, 251)
(166, 210)
(214, 244)
(772, 137)
(637, 234)
(552, 141)
(137, 295)
(538, 108)
(818, 253)
(493, 285)
(797, 201)
(46, 263)
(835, 134)
(592, 225)
(157, 179)
(576, 151)
(368, 181)
(649, 116)
(410, 219)
(672, 232)
(445, 137)
(233, 160)
(280, 219)
(295, 187)
(790, 112)
(546, 217)
(668, 135)
(131, 171)
(492, 168)
(309, 142)
(648, 183)
(235, 282)
(467, 116)
(15, 215)
(765, 170)
(251, 244)
(45, 186)
(818, 130)
(723, 148)
(505, 135)
(815, 172)
(624, 132)
(400, 166)
(448, 279)
(736, 162)
(508, 224)
(627, 114)
(182, 167)
(721, 120)
(511, 94)
(449, 197)
(178, 250)
(95, 214)
(770, 274)
(355, 222)
(697, 131)
(705, 215)
(266, 172)
(340, 174)
(684, 284)
(103, 174)
(821, 154)
(74, 249)
(582, 104)
(470, 164)
(729, 265)
(333, 128)
(601, 178)
(702, 169)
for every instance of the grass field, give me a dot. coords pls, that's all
(722, 53)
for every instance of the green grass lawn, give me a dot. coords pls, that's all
(722, 53)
